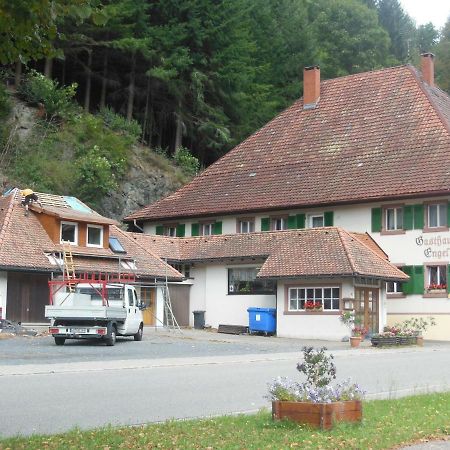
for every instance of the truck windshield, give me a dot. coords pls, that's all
(112, 293)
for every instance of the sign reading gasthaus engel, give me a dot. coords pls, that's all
(434, 247)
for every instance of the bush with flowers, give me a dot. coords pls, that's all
(319, 369)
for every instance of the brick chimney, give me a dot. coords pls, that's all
(311, 87)
(427, 62)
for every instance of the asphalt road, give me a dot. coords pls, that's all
(45, 397)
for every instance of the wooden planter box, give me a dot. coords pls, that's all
(385, 341)
(318, 415)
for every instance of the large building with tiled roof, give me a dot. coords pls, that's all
(31, 252)
(367, 152)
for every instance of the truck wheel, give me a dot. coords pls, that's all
(59, 340)
(111, 339)
(140, 332)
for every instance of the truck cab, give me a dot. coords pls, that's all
(96, 310)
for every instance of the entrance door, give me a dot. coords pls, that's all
(148, 298)
(367, 307)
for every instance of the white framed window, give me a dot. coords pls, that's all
(278, 223)
(436, 277)
(301, 297)
(207, 229)
(246, 226)
(437, 215)
(170, 230)
(316, 220)
(94, 236)
(69, 233)
(393, 219)
(394, 287)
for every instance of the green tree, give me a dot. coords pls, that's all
(28, 28)
(427, 37)
(443, 58)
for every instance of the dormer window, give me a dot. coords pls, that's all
(69, 233)
(94, 236)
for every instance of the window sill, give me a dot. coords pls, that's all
(393, 232)
(395, 295)
(251, 293)
(434, 229)
(311, 313)
(442, 294)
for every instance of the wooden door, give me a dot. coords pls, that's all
(27, 295)
(148, 297)
(367, 307)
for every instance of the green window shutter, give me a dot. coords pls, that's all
(181, 230)
(195, 229)
(376, 220)
(292, 222)
(418, 280)
(301, 219)
(408, 286)
(218, 228)
(448, 277)
(418, 217)
(265, 224)
(448, 214)
(160, 229)
(328, 217)
(408, 217)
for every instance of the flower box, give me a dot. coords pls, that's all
(318, 415)
(385, 341)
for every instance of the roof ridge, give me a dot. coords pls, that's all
(340, 231)
(372, 239)
(142, 247)
(436, 108)
(7, 220)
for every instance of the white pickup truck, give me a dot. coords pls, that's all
(96, 311)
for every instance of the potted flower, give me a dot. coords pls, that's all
(357, 331)
(311, 305)
(315, 401)
(418, 325)
(436, 288)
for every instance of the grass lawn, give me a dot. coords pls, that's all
(386, 423)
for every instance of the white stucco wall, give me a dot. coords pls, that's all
(3, 293)
(305, 325)
(210, 293)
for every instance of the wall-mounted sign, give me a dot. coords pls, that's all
(434, 247)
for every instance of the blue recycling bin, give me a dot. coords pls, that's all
(262, 320)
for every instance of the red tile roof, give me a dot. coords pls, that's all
(374, 135)
(315, 252)
(24, 244)
(65, 213)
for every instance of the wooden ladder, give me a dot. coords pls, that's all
(69, 266)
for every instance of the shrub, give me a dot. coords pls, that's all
(57, 100)
(186, 161)
(120, 124)
(5, 103)
(319, 369)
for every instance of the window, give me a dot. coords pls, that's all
(394, 287)
(328, 297)
(207, 229)
(94, 236)
(184, 269)
(315, 220)
(244, 281)
(69, 232)
(393, 219)
(436, 278)
(115, 245)
(278, 223)
(128, 264)
(437, 215)
(170, 230)
(246, 225)
(130, 298)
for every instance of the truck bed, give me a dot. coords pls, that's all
(85, 312)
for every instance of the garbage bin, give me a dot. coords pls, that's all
(262, 320)
(199, 320)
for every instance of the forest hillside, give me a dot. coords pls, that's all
(164, 84)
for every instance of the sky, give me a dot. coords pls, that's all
(424, 11)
